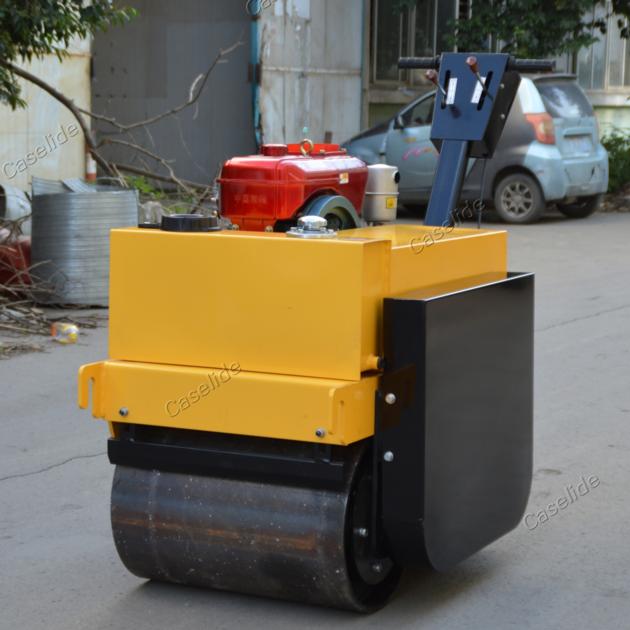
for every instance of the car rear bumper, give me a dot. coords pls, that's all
(561, 177)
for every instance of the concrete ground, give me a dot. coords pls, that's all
(59, 569)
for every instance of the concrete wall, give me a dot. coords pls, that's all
(311, 55)
(31, 144)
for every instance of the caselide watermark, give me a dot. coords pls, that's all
(213, 381)
(419, 243)
(52, 141)
(533, 519)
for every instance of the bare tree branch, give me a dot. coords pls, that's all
(151, 154)
(113, 169)
(196, 89)
(128, 168)
(68, 103)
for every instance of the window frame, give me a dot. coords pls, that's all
(608, 95)
(404, 76)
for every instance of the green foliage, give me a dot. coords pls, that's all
(535, 28)
(173, 202)
(617, 144)
(34, 28)
(144, 187)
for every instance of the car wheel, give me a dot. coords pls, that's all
(518, 199)
(582, 208)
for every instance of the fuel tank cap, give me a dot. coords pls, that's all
(312, 226)
(189, 223)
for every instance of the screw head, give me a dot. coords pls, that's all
(377, 567)
(320, 433)
(362, 532)
(123, 411)
(388, 456)
(390, 398)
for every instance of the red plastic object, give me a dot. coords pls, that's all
(15, 259)
(543, 127)
(259, 190)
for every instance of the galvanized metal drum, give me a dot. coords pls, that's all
(70, 246)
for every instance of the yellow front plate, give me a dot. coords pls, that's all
(228, 400)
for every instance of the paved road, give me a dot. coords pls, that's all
(59, 569)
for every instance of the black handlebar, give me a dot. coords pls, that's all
(419, 63)
(531, 65)
(518, 65)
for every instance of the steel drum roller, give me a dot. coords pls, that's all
(274, 540)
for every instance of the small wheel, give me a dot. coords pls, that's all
(337, 210)
(518, 199)
(582, 208)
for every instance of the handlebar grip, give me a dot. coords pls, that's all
(531, 65)
(419, 63)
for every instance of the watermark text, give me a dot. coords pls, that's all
(212, 382)
(52, 141)
(532, 520)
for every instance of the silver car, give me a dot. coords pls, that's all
(549, 152)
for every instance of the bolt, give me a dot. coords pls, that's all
(361, 532)
(320, 433)
(377, 567)
(124, 412)
(502, 86)
(390, 398)
(388, 456)
(502, 116)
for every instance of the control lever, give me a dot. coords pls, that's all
(433, 76)
(472, 63)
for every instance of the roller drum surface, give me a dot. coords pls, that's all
(268, 539)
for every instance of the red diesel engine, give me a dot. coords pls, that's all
(269, 191)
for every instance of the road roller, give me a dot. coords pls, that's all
(304, 414)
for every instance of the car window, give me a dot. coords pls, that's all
(420, 114)
(564, 99)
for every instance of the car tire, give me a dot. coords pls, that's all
(582, 208)
(518, 199)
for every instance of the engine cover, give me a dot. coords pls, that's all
(257, 191)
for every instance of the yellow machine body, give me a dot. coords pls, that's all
(262, 334)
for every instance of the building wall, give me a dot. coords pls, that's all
(613, 118)
(147, 66)
(311, 55)
(32, 140)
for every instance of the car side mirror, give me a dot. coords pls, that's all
(399, 123)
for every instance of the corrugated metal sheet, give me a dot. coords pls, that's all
(311, 54)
